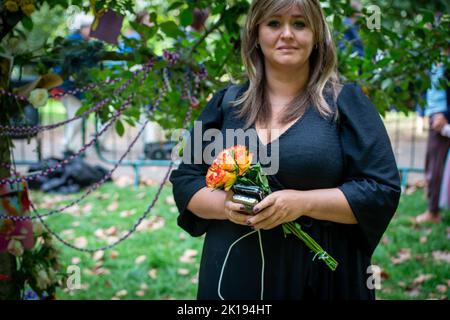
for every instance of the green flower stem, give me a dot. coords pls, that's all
(292, 227)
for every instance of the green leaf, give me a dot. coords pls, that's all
(171, 29)
(386, 83)
(175, 5)
(82, 109)
(186, 18)
(148, 32)
(27, 23)
(120, 128)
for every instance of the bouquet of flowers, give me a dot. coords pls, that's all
(232, 170)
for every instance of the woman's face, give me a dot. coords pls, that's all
(285, 40)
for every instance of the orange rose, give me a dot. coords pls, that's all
(242, 157)
(214, 176)
(229, 179)
(226, 161)
(218, 178)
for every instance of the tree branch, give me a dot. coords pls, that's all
(9, 21)
(205, 35)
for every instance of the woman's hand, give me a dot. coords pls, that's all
(439, 121)
(235, 212)
(275, 209)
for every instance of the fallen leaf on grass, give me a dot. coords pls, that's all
(143, 286)
(75, 224)
(121, 293)
(403, 255)
(81, 242)
(127, 213)
(84, 286)
(87, 208)
(414, 293)
(113, 206)
(441, 256)
(140, 195)
(140, 259)
(111, 231)
(441, 288)
(100, 233)
(88, 272)
(75, 260)
(148, 182)
(113, 254)
(421, 279)
(151, 224)
(153, 273)
(140, 293)
(419, 257)
(103, 196)
(410, 190)
(170, 200)
(194, 279)
(111, 240)
(75, 209)
(68, 233)
(123, 181)
(98, 255)
(101, 271)
(188, 256)
(183, 271)
(423, 239)
(384, 275)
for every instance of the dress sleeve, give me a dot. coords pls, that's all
(371, 181)
(189, 178)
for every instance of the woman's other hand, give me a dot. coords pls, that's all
(275, 209)
(439, 121)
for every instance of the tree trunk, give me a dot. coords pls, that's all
(8, 288)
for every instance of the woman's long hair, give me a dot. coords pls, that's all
(323, 77)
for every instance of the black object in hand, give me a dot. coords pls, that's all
(247, 195)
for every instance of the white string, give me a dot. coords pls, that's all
(226, 258)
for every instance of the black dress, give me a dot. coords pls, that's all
(353, 154)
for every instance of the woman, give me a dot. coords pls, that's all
(337, 175)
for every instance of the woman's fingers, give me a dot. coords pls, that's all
(235, 206)
(261, 216)
(267, 223)
(265, 219)
(265, 203)
(238, 217)
(236, 213)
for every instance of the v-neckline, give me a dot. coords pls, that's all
(295, 123)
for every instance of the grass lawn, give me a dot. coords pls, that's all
(160, 261)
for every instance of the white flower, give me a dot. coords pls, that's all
(38, 97)
(15, 247)
(38, 229)
(42, 280)
(52, 275)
